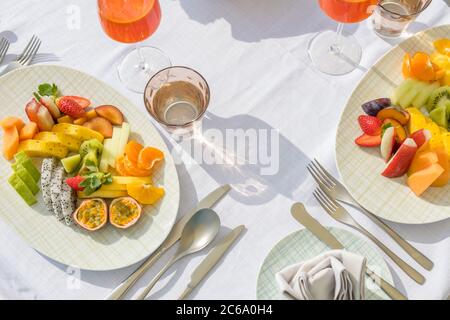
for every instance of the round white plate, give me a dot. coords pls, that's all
(360, 168)
(303, 245)
(108, 248)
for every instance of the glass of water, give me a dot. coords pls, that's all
(391, 17)
(177, 97)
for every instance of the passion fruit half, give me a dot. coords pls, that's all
(124, 212)
(92, 214)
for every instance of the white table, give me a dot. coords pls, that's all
(253, 55)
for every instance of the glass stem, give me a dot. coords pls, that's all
(336, 46)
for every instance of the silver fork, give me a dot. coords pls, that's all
(26, 57)
(336, 190)
(335, 210)
(4, 46)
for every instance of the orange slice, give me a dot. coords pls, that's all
(148, 157)
(133, 169)
(132, 150)
(406, 66)
(145, 193)
(422, 68)
(120, 167)
(442, 46)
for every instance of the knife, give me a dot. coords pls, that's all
(300, 214)
(211, 260)
(209, 201)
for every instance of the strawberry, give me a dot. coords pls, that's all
(74, 183)
(366, 140)
(70, 107)
(83, 102)
(370, 125)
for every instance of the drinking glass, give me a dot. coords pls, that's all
(336, 52)
(132, 21)
(177, 97)
(392, 17)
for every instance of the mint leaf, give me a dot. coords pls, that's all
(47, 89)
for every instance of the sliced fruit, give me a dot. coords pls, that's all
(114, 146)
(422, 180)
(387, 143)
(145, 193)
(369, 125)
(106, 154)
(27, 179)
(401, 160)
(71, 143)
(132, 150)
(439, 115)
(422, 98)
(443, 158)
(79, 132)
(417, 121)
(22, 189)
(44, 119)
(422, 160)
(91, 214)
(437, 96)
(71, 163)
(113, 187)
(65, 119)
(83, 102)
(124, 135)
(120, 166)
(91, 114)
(74, 183)
(49, 103)
(9, 122)
(124, 212)
(368, 141)
(421, 136)
(372, 107)
(47, 168)
(406, 66)
(103, 194)
(148, 157)
(133, 169)
(400, 132)
(31, 110)
(394, 113)
(130, 180)
(422, 68)
(10, 142)
(70, 107)
(401, 90)
(39, 148)
(80, 121)
(110, 113)
(28, 131)
(22, 159)
(101, 125)
(406, 100)
(442, 46)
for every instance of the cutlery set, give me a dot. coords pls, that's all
(24, 59)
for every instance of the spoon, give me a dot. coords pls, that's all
(198, 232)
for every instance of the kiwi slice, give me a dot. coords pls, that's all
(439, 116)
(439, 96)
(22, 189)
(26, 177)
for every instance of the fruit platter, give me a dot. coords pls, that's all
(87, 179)
(396, 164)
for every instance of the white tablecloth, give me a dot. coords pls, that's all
(253, 54)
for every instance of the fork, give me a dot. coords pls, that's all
(4, 46)
(339, 213)
(26, 57)
(336, 190)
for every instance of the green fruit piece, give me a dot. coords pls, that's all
(438, 96)
(29, 166)
(402, 90)
(422, 99)
(406, 100)
(21, 156)
(71, 163)
(22, 189)
(439, 116)
(26, 177)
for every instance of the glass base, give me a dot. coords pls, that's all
(139, 65)
(331, 59)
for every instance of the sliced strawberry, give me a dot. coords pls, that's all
(50, 104)
(44, 119)
(366, 140)
(370, 125)
(31, 109)
(74, 183)
(70, 107)
(83, 102)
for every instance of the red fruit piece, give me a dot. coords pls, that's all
(401, 160)
(50, 104)
(44, 119)
(368, 141)
(31, 109)
(74, 183)
(421, 136)
(83, 102)
(70, 107)
(370, 125)
(111, 113)
(101, 125)
(387, 143)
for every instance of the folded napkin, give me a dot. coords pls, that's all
(332, 275)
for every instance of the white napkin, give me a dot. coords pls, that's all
(332, 275)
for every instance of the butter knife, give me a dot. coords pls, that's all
(209, 201)
(300, 214)
(211, 260)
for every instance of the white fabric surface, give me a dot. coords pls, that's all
(332, 275)
(253, 54)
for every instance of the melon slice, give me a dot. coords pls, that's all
(422, 180)
(422, 160)
(10, 142)
(443, 162)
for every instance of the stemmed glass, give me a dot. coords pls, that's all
(336, 52)
(132, 21)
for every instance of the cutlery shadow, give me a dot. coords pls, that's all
(10, 35)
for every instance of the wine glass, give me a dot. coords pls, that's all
(336, 52)
(132, 21)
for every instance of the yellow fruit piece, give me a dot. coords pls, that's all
(445, 80)
(103, 194)
(412, 110)
(80, 121)
(91, 114)
(78, 132)
(65, 119)
(145, 193)
(71, 143)
(417, 121)
(446, 141)
(113, 187)
(442, 46)
(131, 180)
(39, 148)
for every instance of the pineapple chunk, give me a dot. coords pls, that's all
(130, 180)
(79, 132)
(73, 144)
(417, 121)
(103, 194)
(39, 148)
(113, 187)
(446, 140)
